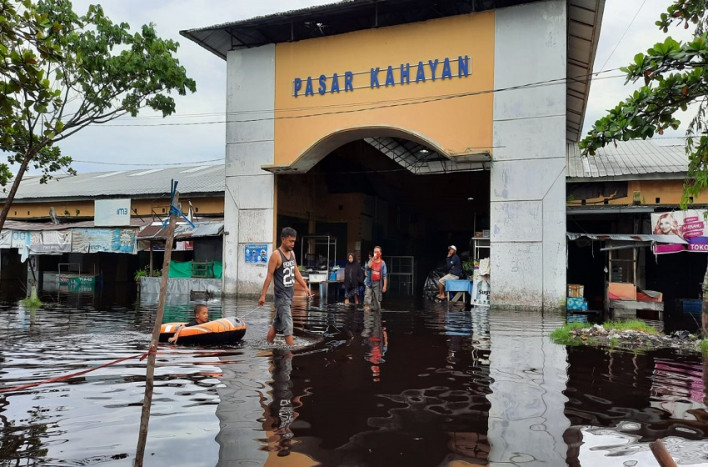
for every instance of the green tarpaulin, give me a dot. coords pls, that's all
(183, 269)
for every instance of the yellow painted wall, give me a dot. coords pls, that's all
(668, 192)
(68, 209)
(457, 125)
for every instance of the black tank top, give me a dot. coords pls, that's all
(284, 278)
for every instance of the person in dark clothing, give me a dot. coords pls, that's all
(353, 278)
(201, 316)
(453, 270)
(283, 272)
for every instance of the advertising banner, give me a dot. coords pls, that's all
(691, 225)
(104, 240)
(50, 241)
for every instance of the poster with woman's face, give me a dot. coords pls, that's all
(691, 225)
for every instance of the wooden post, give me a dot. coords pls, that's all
(150, 373)
(661, 454)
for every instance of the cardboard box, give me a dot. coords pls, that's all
(576, 290)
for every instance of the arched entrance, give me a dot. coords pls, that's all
(388, 187)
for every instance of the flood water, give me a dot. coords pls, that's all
(417, 384)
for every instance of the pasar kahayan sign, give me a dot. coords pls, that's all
(403, 74)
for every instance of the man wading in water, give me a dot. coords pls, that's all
(283, 269)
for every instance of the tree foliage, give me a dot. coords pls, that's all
(675, 76)
(60, 72)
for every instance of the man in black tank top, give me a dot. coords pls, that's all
(282, 269)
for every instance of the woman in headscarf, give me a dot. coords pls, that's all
(353, 278)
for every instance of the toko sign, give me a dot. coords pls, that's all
(111, 212)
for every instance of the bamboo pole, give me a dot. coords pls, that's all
(150, 373)
(662, 454)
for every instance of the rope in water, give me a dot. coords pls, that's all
(78, 373)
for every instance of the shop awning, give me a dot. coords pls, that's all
(638, 238)
(660, 244)
(183, 231)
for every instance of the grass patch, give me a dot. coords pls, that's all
(562, 334)
(704, 346)
(613, 342)
(630, 325)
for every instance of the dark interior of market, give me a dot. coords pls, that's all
(363, 198)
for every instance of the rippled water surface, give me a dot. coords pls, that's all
(415, 384)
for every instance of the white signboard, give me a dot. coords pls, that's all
(111, 212)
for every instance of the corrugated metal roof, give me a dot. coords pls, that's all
(642, 238)
(193, 180)
(628, 160)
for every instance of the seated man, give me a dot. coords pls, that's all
(453, 269)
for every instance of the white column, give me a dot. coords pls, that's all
(528, 172)
(249, 198)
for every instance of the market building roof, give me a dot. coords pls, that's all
(628, 160)
(193, 181)
(584, 18)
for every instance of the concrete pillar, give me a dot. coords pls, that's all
(249, 200)
(528, 247)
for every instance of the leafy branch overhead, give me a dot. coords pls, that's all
(60, 72)
(674, 76)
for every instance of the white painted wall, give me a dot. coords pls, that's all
(249, 198)
(528, 254)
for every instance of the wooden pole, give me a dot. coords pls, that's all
(150, 373)
(662, 454)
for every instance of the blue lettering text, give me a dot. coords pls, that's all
(375, 77)
(446, 73)
(335, 84)
(348, 81)
(298, 85)
(463, 66)
(308, 87)
(420, 76)
(433, 66)
(323, 85)
(405, 73)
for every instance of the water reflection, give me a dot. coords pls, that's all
(418, 384)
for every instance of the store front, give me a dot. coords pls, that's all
(398, 125)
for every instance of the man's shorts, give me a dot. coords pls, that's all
(373, 293)
(448, 277)
(350, 293)
(283, 321)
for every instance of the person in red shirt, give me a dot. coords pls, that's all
(376, 280)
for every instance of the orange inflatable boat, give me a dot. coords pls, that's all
(218, 332)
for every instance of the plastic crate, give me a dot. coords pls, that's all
(692, 307)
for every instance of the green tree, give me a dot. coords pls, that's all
(675, 76)
(61, 72)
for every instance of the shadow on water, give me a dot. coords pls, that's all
(414, 384)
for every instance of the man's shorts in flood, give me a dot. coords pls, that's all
(448, 277)
(283, 321)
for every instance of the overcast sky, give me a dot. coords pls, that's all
(193, 136)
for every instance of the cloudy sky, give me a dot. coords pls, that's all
(195, 134)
